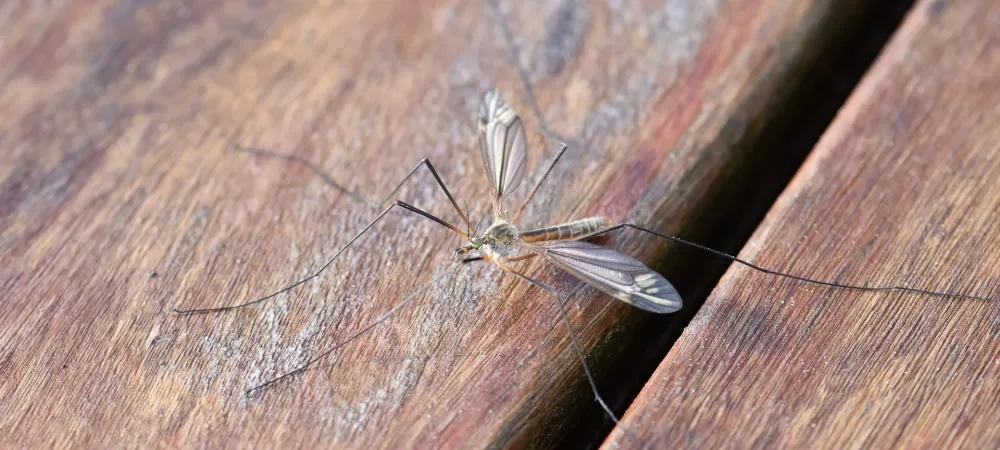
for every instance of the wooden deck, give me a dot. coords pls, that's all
(902, 189)
(119, 202)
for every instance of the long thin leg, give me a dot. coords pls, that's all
(784, 274)
(506, 260)
(329, 180)
(515, 54)
(318, 272)
(576, 344)
(520, 258)
(541, 180)
(349, 339)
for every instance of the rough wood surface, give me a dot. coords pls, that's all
(119, 202)
(902, 189)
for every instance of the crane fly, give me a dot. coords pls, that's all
(503, 145)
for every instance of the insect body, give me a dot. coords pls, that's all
(504, 149)
(617, 274)
(501, 242)
(571, 230)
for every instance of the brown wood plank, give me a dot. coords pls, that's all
(902, 189)
(119, 202)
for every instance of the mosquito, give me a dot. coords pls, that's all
(503, 145)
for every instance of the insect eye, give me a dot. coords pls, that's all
(477, 245)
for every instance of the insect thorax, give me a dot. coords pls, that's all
(500, 240)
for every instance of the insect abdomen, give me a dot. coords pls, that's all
(571, 230)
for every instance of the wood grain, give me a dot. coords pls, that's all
(119, 202)
(902, 189)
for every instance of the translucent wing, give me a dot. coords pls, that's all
(615, 273)
(503, 143)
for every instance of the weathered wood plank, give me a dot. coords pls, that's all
(118, 202)
(902, 189)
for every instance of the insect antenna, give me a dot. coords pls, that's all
(576, 345)
(785, 274)
(328, 263)
(470, 231)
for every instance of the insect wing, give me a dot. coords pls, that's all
(502, 142)
(615, 273)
